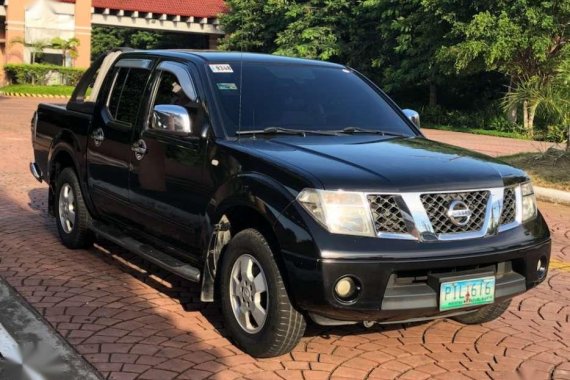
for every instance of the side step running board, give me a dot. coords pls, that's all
(163, 260)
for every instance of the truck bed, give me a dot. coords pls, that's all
(56, 123)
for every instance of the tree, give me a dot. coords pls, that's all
(522, 39)
(37, 47)
(252, 25)
(317, 29)
(401, 40)
(552, 97)
(67, 47)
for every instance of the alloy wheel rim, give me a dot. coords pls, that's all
(66, 208)
(249, 294)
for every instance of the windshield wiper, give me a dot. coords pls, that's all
(354, 130)
(281, 131)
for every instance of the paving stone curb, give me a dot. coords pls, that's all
(22, 95)
(552, 195)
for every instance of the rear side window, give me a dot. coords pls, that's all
(127, 92)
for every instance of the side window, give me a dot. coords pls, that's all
(170, 91)
(176, 88)
(128, 89)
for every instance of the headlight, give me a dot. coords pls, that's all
(340, 212)
(528, 202)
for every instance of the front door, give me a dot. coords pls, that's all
(110, 141)
(167, 176)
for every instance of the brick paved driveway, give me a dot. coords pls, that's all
(131, 320)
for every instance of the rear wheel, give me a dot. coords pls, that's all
(257, 311)
(484, 314)
(72, 216)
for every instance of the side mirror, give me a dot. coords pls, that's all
(413, 116)
(171, 118)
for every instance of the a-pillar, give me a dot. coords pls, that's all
(83, 32)
(15, 15)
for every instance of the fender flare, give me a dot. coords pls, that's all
(65, 141)
(260, 193)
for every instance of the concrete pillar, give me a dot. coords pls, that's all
(2, 54)
(2, 62)
(213, 41)
(83, 32)
(15, 15)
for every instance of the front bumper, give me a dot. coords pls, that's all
(404, 289)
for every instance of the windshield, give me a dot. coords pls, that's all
(305, 97)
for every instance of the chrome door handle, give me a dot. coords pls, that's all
(140, 149)
(98, 137)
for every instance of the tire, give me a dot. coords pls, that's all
(71, 214)
(484, 314)
(283, 326)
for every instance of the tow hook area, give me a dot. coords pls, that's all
(368, 324)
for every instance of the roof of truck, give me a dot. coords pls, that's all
(225, 56)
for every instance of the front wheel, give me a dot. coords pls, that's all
(72, 216)
(257, 311)
(484, 314)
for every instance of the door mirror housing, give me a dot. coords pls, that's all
(413, 116)
(171, 118)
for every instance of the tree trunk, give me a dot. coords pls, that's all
(525, 115)
(531, 114)
(512, 113)
(432, 95)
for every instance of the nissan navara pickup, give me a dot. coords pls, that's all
(289, 190)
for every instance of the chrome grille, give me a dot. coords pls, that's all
(437, 206)
(509, 206)
(386, 214)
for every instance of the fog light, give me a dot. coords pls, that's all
(541, 267)
(346, 288)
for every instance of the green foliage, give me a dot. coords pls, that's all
(37, 90)
(104, 39)
(68, 47)
(518, 38)
(418, 50)
(253, 25)
(316, 29)
(40, 74)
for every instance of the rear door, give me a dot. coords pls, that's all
(110, 141)
(167, 180)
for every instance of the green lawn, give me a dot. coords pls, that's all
(477, 131)
(548, 169)
(37, 90)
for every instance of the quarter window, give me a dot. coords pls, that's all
(126, 94)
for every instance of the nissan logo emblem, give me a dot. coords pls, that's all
(459, 213)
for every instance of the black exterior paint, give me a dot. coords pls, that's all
(174, 196)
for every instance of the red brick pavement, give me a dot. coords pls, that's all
(493, 146)
(132, 320)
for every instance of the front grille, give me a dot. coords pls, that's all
(509, 206)
(437, 206)
(386, 214)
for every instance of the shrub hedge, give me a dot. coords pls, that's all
(41, 74)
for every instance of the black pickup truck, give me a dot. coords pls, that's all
(288, 189)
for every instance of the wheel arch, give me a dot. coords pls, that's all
(248, 201)
(65, 151)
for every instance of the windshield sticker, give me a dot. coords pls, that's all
(226, 86)
(221, 68)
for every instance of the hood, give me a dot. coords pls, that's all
(379, 163)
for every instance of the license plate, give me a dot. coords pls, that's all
(465, 293)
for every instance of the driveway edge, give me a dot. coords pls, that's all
(552, 195)
(31, 347)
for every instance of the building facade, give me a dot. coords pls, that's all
(27, 24)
